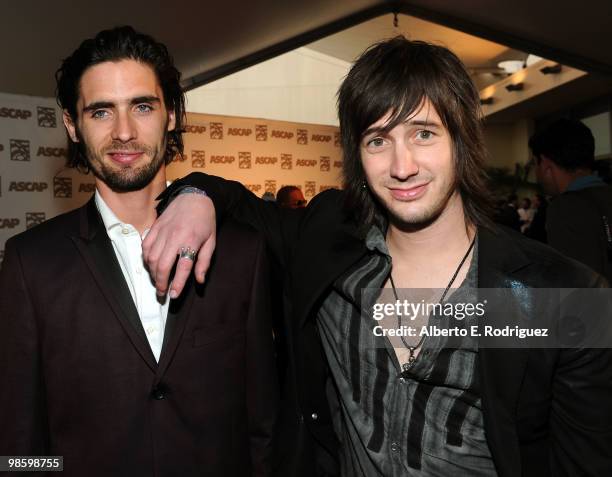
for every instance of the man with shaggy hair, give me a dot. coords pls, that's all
(413, 215)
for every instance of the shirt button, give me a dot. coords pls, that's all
(125, 231)
(159, 392)
(314, 416)
(395, 446)
(150, 330)
(402, 380)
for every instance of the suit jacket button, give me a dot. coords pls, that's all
(158, 392)
(314, 416)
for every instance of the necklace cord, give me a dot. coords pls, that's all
(412, 349)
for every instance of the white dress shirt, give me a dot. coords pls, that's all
(127, 244)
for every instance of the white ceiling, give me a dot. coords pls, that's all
(479, 55)
(212, 39)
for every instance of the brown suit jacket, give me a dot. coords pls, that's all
(79, 378)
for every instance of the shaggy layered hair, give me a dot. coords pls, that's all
(397, 76)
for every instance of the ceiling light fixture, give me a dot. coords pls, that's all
(511, 66)
(551, 70)
(515, 86)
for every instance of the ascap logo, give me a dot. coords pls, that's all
(337, 139)
(46, 117)
(254, 187)
(338, 164)
(222, 159)
(321, 138)
(270, 186)
(62, 187)
(306, 162)
(286, 161)
(326, 187)
(216, 130)
(52, 152)
(239, 132)
(244, 160)
(198, 158)
(266, 160)
(282, 134)
(87, 187)
(324, 163)
(302, 136)
(261, 132)
(34, 218)
(1, 147)
(27, 186)
(310, 188)
(195, 129)
(8, 223)
(14, 113)
(20, 150)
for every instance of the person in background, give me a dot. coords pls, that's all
(525, 213)
(579, 217)
(537, 227)
(507, 214)
(290, 197)
(268, 196)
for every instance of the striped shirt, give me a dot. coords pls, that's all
(428, 424)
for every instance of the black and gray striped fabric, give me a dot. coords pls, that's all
(429, 424)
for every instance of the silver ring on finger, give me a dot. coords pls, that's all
(188, 253)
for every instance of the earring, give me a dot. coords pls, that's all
(364, 185)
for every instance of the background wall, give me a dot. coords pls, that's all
(262, 154)
(507, 143)
(298, 86)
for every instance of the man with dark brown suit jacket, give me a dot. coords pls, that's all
(94, 366)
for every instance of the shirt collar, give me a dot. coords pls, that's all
(584, 182)
(375, 239)
(109, 219)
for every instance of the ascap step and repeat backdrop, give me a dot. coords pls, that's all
(263, 154)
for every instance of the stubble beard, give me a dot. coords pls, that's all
(125, 178)
(419, 219)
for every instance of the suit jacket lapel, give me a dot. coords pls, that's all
(97, 251)
(501, 371)
(178, 314)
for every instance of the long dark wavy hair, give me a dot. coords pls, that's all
(397, 75)
(121, 43)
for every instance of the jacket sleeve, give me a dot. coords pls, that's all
(581, 414)
(23, 426)
(232, 199)
(261, 376)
